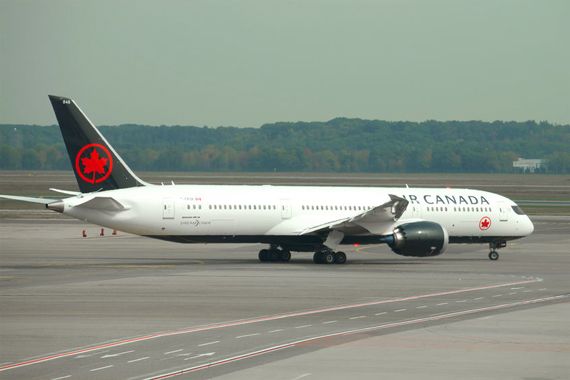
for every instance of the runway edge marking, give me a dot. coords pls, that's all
(349, 332)
(220, 325)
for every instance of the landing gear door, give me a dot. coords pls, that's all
(167, 208)
(285, 209)
(503, 212)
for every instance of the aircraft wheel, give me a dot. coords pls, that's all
(263, 255)
(329, 257)
(494, 255)
(318, 258)
(285, 256)
(340, 258)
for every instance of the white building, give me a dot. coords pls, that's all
(529, 165)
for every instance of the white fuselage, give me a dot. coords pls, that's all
(208, 210)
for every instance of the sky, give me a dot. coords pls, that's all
(249, 62)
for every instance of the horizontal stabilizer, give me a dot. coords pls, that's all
(103, 203)
(68, 192)
(43, 201)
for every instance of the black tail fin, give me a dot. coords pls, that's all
(95, 163)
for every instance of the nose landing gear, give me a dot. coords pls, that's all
(493, 246)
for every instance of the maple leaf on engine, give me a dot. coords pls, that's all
(94, 164)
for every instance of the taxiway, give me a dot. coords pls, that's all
(130, 307)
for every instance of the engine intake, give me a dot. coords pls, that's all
(419, 239)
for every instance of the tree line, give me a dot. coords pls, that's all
(339, 145)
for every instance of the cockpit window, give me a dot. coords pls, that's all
(518, 210)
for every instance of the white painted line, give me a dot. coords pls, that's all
(527, 291)
(358, 317)
(302, 376)
(382, 313)
(241, 322)
(208, 343)
(478, 298)
(542, 289)
(517, 288)
(101, 368)
(461, 301)
(329, 322)
(303, 326)
(201, 356)
(115, 355)
(61, 378)
(349, 332)
(497, 295)
(443, 303)
(172, 352)
(139, 359)
(512, 293)
(89, 355)
(274, 331)
(246, 336)
(399, 310)
(421, 307)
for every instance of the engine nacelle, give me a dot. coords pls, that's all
(419, 239)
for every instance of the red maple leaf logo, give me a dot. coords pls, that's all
(484, 223)
(94, 164)
(96, 168)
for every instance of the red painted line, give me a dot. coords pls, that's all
(349, 332)
(248, 321)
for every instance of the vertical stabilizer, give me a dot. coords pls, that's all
(94, 161)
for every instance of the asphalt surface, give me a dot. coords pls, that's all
(129, 307)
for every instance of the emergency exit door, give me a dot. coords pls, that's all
(168, 208)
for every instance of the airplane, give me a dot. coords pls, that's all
(416, 222)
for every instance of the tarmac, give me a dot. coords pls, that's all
(121, 306)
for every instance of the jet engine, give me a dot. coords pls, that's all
(419, 239)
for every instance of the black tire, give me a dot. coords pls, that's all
(329, 257)
(494, 255)
(318, 258)
(263, 255)
(285, 256)
(274, 255)
(340, 258)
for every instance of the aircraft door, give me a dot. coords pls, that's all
(414, 210)
(167, 208)
(503, 212)
(285, 209)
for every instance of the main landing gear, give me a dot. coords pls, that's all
(493, 246)
(327, 256)
(274, 254)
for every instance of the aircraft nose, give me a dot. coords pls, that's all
(529, 226)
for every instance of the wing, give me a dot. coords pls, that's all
(375, 221)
